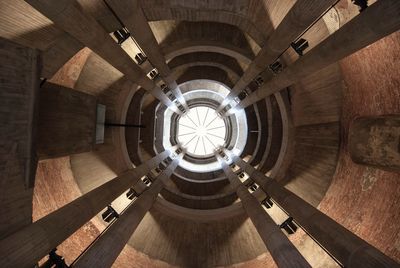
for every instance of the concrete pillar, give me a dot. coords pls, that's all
(67, 121)
(19, 88)
(132, 16)
(27, 246)
(347, 248)
(68, 16)
(300, 16)
(375, 141)
(281, 249)
(377, 21)
(105, 250)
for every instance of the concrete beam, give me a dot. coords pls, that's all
(19, 90)
(68, 15)
(131, 14)
(347, 248)
(376, 22)
(281, 249)
(27, 246)
(299, 17)
(105, 250)
(54, 57)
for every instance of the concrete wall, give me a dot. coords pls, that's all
(26, 26)
(67, 122)
(53, 176)
(316, 111)
(365, 199)
(19, 80)
(196, 244)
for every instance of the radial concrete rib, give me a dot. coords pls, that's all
(281, 249)
(68, 15)
(131, 14)
(48, 232)
(376, 22)
(105, 250)
(347, 248)
(299, 17)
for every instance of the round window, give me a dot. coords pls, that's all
(200, 131)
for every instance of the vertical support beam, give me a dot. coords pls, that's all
(300, 16)
(27, 246)
(68, 15)
(375, 141)
(67, 121)
(281, 249)
(19, 84)
(131, 14)
(105, 250)
(377, 21)
(346, 247)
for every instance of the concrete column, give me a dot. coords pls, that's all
(375, 141)
(376, 22)
(68, 16)
(132, 16)
(19, 90)
(105, 250)
(281, 249)
(67, 121)
(300, 16)
(27, 246)
(343, 245)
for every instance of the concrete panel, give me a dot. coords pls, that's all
(19, 78)
(67, 122)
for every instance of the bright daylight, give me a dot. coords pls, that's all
(201, 130)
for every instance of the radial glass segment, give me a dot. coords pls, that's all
(200, 131)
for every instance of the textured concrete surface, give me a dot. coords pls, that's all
(53, 177)
(19, 85)
(332, 49)
(364, 199)
(314, 163)
(26, 26)
(69, 73)
(188, 243)
(281, 249)
(244, 14)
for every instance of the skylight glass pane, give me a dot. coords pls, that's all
(201, 131)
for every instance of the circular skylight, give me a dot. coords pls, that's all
(200, 131)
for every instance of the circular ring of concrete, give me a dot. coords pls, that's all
(226, 17)
(201, 89)
(182, 48)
